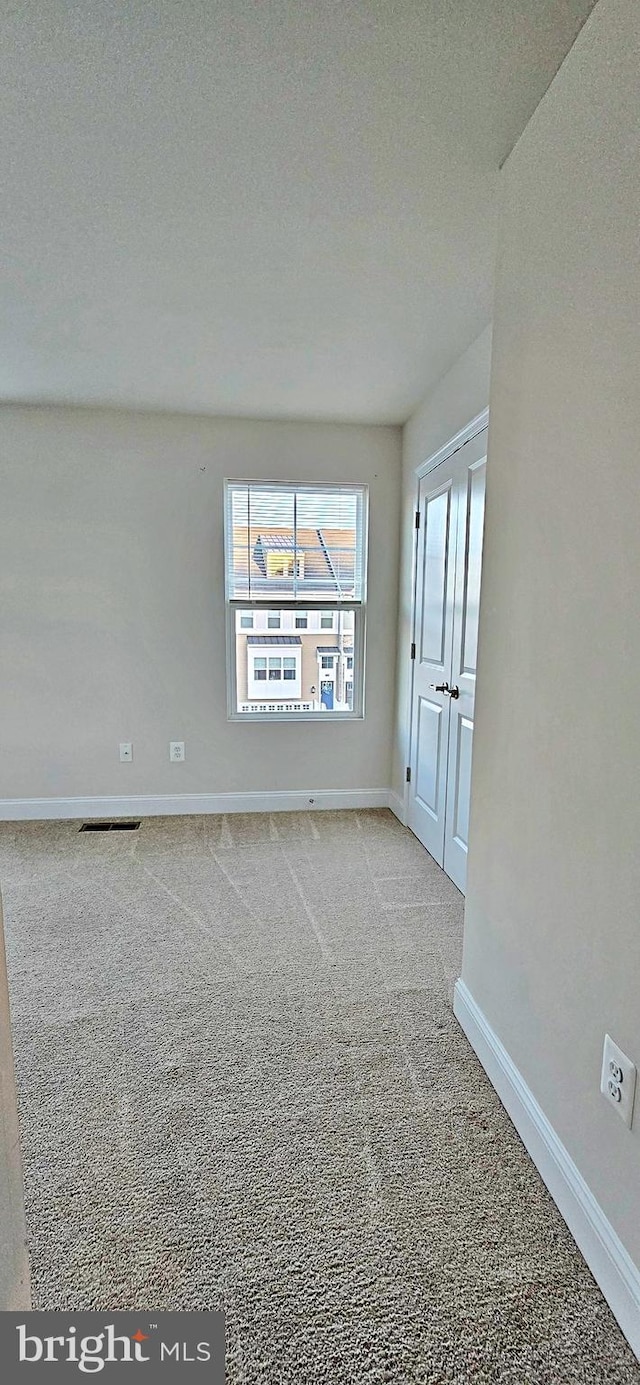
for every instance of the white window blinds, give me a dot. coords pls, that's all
(286, 542)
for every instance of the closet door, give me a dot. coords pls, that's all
(449, 554)
(433, 631)
(466, 609)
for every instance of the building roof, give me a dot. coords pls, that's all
(282, 543)
(328, 649)
(274, 639)
(328, 566)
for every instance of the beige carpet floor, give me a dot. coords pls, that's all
(242, 1085)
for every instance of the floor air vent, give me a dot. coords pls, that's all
(110, 827)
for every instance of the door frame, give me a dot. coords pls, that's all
(466, 434)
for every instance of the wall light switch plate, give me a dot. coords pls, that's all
(176, 750)
(126, 751)
(618, 1080)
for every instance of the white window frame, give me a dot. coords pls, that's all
(359, 609)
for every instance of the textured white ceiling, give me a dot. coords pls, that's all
(282, 208)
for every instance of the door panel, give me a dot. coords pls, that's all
(437, 521)
(471, 605)
(447, 602)
(462, 786)
(429, 758)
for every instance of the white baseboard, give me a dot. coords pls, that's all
(609, 1262)
(154, 805)
(398, 806)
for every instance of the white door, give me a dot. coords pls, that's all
(449, 556)
(432, 648)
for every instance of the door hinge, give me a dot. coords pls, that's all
(408, 776)
(413, 651)
(417, 519)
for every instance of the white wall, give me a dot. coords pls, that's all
(458, 397)
(552, 942)
(111, 584)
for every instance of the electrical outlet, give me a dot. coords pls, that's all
(618, 1080)
(126, 751)
(176, 750)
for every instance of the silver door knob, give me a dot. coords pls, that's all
(454, 692)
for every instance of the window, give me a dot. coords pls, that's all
(288, 547)
(281, 668)
(262, 662)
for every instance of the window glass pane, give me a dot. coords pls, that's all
(282, 669)
(326, 620)
(302, 621)
(246, 622)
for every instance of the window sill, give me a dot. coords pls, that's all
(249, 718)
